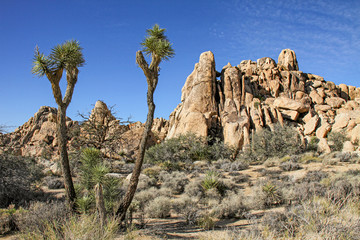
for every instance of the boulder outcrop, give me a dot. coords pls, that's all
(38, 136)
(242, 99)
(231, 105)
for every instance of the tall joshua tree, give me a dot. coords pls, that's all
(67, 56)
(157, 46)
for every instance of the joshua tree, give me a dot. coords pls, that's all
(157, 46)
(67, 56)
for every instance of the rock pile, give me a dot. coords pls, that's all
(38, 136)
(242, 99)
(230, 105)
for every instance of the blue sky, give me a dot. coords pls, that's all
(324, 34)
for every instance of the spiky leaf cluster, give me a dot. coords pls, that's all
(63, 56)
(156, 43)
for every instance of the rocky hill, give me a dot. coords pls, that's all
(239, 100)
(231, 104)
(37, 137)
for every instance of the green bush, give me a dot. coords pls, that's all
(187, 149)
(280, 142)
(336, 140)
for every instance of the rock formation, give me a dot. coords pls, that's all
(231, 105)
(38, 137)
(254, 95)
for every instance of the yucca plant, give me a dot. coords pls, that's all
(272, 195)
(211, 180)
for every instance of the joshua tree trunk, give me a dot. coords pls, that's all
(66, 56)
(64, 159)
(100, 205)
(121, 212)
(62, 129)
(152, 79)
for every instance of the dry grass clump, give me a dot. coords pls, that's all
(86, 226)
(318, 218)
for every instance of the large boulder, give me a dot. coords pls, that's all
(290, 104)
(198, 105)
(287, 60)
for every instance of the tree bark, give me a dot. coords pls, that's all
(100, 205)
(64, 159)
(121, 212)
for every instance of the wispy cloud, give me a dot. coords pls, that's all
(326, 32)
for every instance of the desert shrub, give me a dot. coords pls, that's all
(312, 144)
(289, 166)
(266, 193)
(277, 143)
(187, 149)
(271, 162)
(314, 176)
(308, 158)
(322, 219)
(307, 190)
(194, 189)
(186, 206)
(231, 206)
(175, 181)
(347, 157)
(152, 172)
(205, 221)
(41, 216)
(219, 150)
(282, 223)
(229, 166)
(241, 178)
(343, 186)
(17, 178)
(159, 207)
(142, 198)
(53, 182)
(336, 140)
(8, 219)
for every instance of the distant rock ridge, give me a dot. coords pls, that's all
(251, 96)
(231, 105)
(38, 136)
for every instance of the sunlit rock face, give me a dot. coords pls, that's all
(238, 100)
